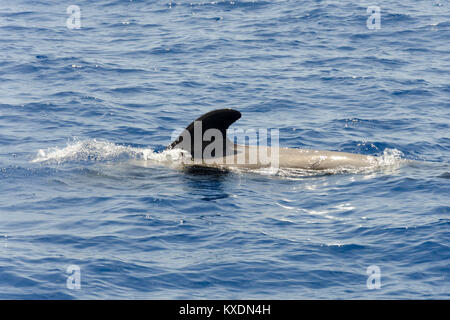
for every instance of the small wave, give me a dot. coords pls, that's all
(101, 150)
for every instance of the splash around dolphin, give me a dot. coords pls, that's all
(206, 143)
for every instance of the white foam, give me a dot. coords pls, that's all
(390, 157)
(100, 150)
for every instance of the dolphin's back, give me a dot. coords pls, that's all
(233, 155)
(250, 157)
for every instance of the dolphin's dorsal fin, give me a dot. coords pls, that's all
(219, 119)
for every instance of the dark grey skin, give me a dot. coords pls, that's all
(241, 156)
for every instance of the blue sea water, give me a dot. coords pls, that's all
(85, 115)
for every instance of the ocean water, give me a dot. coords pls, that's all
(85, 183)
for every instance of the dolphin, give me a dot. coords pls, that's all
(207, 145)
